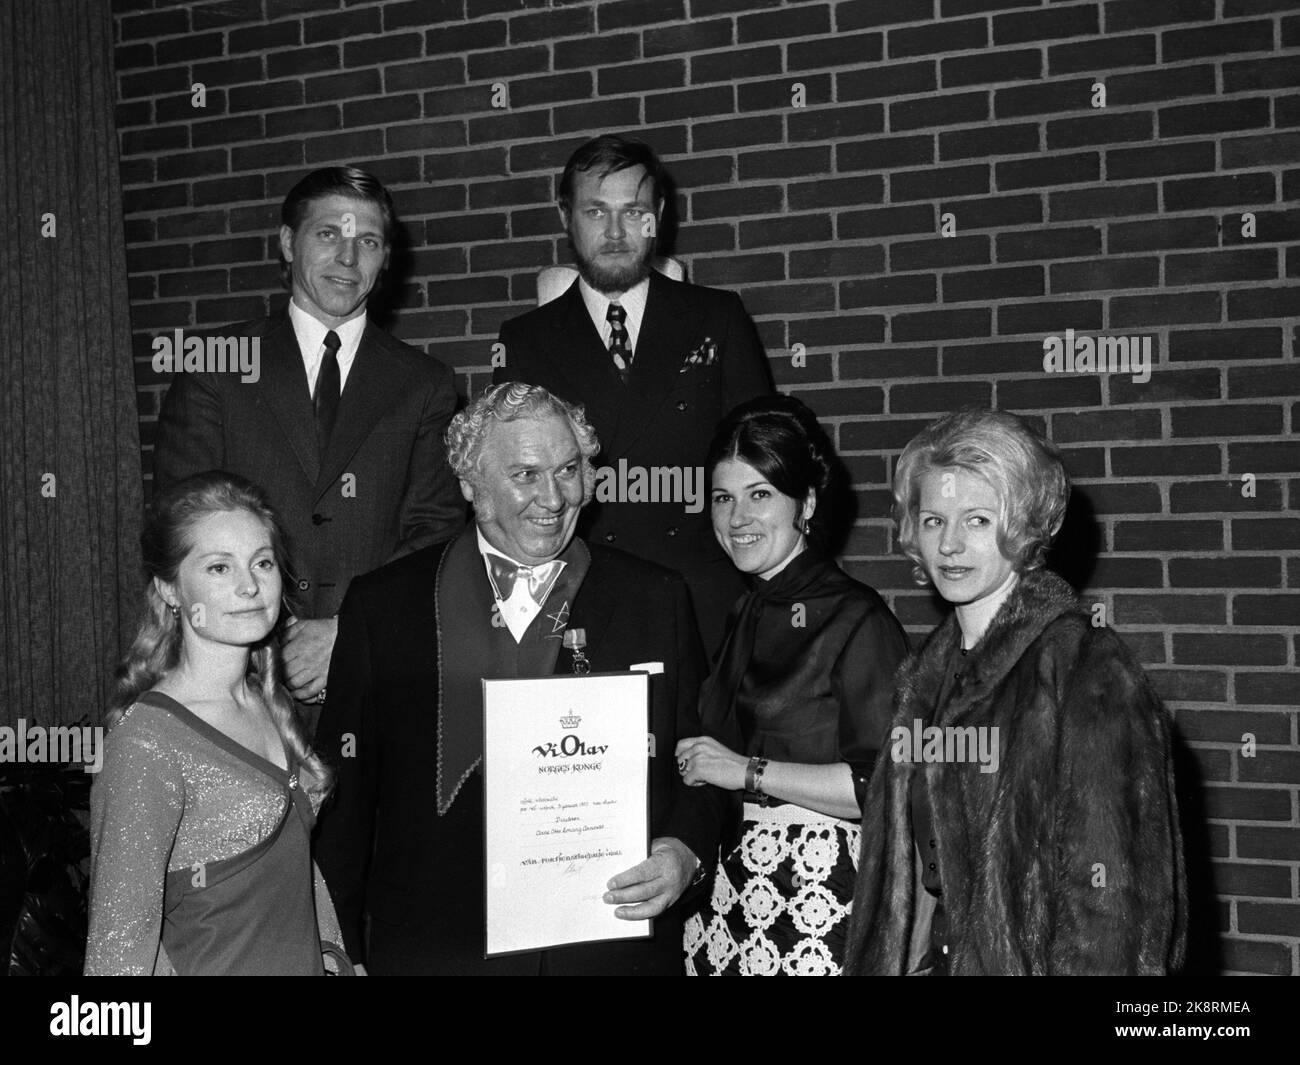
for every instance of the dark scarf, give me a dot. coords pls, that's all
(718, 695)
(466, 655)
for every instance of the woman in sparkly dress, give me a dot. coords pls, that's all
(794, 712)
(201, 817)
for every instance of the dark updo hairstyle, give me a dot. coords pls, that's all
(166, 541)
(782, 440)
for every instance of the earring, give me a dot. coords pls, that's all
(176, 611)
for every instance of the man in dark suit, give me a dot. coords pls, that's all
(339, 422)
(656, 364)
(405, 712)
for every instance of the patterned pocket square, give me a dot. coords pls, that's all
(705, 355)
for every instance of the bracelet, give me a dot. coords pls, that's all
(754, 775)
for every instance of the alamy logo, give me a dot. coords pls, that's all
(102, 1018)
(57, 744)
(1085, 354)
(951, 743)
(181, 354)
(656, 484)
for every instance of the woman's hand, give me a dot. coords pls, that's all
(702, 760)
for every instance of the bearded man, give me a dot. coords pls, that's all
(655, 363)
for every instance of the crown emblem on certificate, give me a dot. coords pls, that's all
(570, 720)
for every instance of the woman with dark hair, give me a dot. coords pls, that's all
(201, 817)
(1024, 821)
(795, 710)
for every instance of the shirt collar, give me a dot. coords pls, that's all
(485, 548)
(311, 331)
(633, 301)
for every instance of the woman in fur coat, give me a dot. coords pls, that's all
(1024, 821)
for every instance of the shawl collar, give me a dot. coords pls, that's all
(463, 594)
(460, 591)
(591, 609)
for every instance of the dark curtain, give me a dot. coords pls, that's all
(70, 485)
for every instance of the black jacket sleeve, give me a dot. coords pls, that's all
(745, 369)
(863, 680)
(188, 438)
(347, 737)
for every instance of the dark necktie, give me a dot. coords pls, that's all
(326, 400)
(619, 346)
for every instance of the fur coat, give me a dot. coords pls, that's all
(1068, 857)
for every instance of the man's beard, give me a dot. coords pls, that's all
(614, 278)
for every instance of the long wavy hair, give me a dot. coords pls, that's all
(165, 543)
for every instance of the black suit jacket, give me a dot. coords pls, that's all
(665, 416)
(381, 845)
(393, 411)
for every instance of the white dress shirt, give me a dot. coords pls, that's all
(632, 301)
(311, 343)
(519, 610)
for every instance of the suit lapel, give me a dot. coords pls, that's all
(581, 358)
(285, 393)
(662, 344)
(463, 606)
(374, 386)
(593, 609)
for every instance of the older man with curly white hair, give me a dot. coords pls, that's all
(405, 712)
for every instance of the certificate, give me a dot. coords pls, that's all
(565, 806)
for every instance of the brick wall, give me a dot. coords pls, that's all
(817, 148)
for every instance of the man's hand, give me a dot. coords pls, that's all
(654, 884)
(307, 648)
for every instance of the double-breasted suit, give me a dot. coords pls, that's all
(381, 488)
(697, 355)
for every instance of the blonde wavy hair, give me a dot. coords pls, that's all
(1023, 467)
(155, 651)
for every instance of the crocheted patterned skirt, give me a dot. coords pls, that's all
(781, 899)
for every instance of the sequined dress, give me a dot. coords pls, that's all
(200, 855)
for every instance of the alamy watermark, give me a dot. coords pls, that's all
(211, 354)
(55, 744)
(1085, 354)
(951, 743)
(654, 484)
(75, 1017)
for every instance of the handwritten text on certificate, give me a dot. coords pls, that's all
(565, 806)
